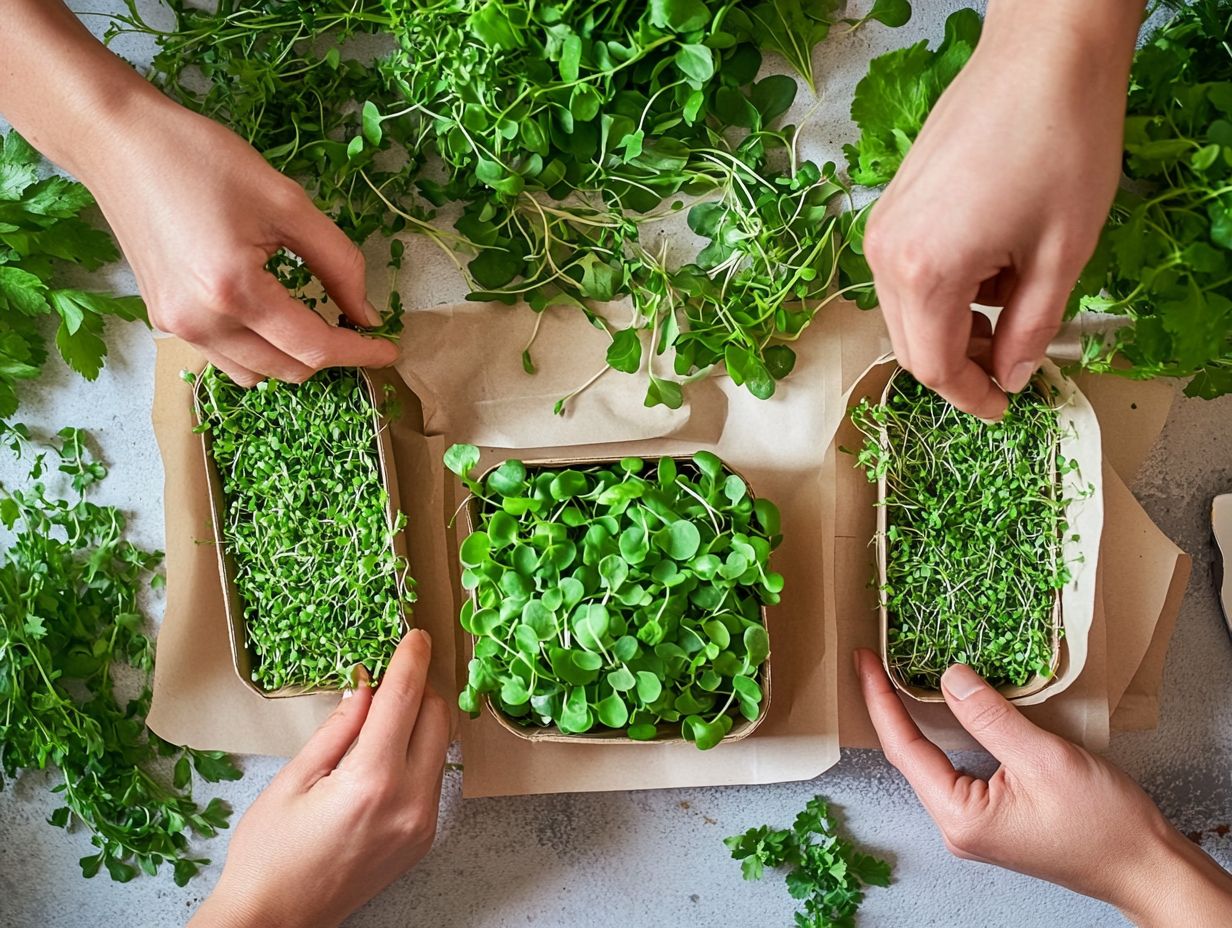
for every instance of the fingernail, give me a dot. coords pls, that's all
(347, 694)
(374, 318)
(424, 634)
(1019, 376)
(960, 681)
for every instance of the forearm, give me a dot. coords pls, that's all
(1175, 884)
(61, 88)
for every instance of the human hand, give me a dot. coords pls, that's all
(334, 828)
(1002, 197)
(1052, 810)
(198, 212)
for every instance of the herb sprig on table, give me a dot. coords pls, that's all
(43, 232)
(975, 523)
(618, 597)
(827, 873)
(70, 625)
(307, 526)
(553, 135)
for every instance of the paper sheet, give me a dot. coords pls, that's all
(781, 448)
(198, 698)
(464, 362)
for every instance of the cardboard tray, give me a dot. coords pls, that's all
(741, 726)
(921, 694)
(243, 658)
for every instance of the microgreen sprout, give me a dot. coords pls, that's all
(307, 526)
(622, 596)
(975, 521)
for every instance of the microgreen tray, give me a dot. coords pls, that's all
(243, 656)
(1039, 681)
(667, 733)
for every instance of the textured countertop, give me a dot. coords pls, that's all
(630, 860)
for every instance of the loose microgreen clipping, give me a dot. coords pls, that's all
(71, 622)
(623, 596)
(827, 873)
(975, 520)
(307, 525)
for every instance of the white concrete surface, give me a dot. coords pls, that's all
(635, 860)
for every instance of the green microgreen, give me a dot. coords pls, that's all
(975, 520)
(307, 525)
(618, 597)
(827, 874)
(71, 622)
(552, 135)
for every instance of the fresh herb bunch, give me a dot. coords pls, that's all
(307, 525)
(43, 232)
(827, 872)
(975, 521)
(617, 597)
(892, 101)
(558, 132)
(1164, 260)
(70, 622)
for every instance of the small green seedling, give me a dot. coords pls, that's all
(307, 525)
(617, 597)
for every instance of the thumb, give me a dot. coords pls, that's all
(1028, 323)
(330, 742)
(991, 720)
(335, 260)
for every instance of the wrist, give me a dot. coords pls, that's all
(1173, 882)
(1097, 36)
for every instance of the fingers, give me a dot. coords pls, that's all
(333, 258)
(925, 765)
(329, 744)
(1028, 323)
(253, 353)
(299, 332)
(395, 706)
(993, 722)
(237, 372)
(430, 740)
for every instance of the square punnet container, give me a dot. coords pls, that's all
(1032, 686)
(241, 652)
(668, 734)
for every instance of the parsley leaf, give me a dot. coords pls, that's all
(827, 872)
(70, 621)
(41, 231)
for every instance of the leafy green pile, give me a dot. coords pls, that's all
(307, 526)
(892, 101)
(1164, 260)
(975, 519)
(603, 599)
(559, 132)
(70, 622)
(827, 872)
(41, 232)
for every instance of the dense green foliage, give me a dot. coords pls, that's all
(70, 623)
(1164, 260)
(827, 874)
(307, 526)
(975, 520)
(43, 232)
(609, 597)
(554, 135)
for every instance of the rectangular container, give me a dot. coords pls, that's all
(741, 727)
(242, 656)
(1032, 686)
